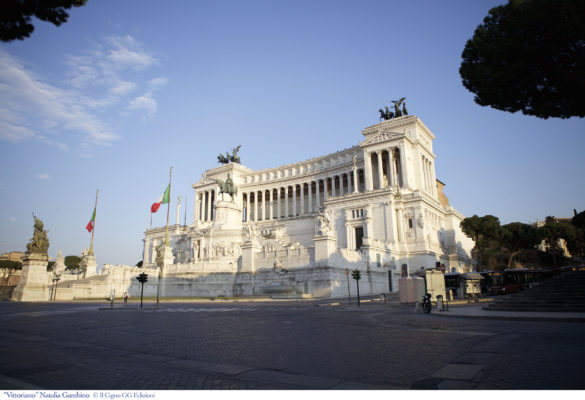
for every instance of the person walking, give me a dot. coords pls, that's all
(125, 297)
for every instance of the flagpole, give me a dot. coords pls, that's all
(168, 209)
(90, 252)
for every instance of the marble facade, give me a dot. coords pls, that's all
(293, 230)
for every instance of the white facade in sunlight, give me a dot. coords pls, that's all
(293, 230)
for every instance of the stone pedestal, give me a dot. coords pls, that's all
(88, 265)
(228, 215)
(33, 284)
(325, 246)
(167, 257)
(249, 250)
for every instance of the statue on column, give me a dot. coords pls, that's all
(39, 243)
(324, 223)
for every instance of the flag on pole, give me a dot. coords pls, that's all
(89, 226)
(163, 199)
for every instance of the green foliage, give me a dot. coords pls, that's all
(482, 230)
(72, 262)
(15, 15)
(12, 265)
(517, 236)
(529, 56)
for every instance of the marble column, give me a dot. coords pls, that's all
(310, 197)
(278, 208)
(368, 170)
(286, 202)
(317, 199)
(294, 196)
(403, 170)
(355, 179)
(302, 198)
(271, 203)
(380, 170)
(208, 216)
(195, 210)
(255, 206)
(263, 213)
(333, 189)
(390, 168)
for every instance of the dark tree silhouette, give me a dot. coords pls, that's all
(529, 56)
(15, 15)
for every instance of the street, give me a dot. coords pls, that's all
(279, 345)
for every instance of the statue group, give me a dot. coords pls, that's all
(386, 114)
(228, 158)
(39, 243)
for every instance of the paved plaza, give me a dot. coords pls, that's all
(280, 345)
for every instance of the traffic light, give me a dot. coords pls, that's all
(356, 274)
(142, 278)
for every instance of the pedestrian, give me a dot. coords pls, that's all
(125, 297)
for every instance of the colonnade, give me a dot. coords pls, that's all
(204, 205)
(299, 198)
(385, 168)
(428, 176)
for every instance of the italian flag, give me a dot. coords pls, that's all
(163, 199)
(89, 226)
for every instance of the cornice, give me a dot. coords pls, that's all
(390, 124)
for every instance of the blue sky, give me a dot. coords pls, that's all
(125, 89)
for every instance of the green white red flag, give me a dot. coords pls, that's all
(89, 226)
(163, 199)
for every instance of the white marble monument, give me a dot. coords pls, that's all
(292, 230)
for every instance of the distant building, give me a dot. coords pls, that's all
(13, 256)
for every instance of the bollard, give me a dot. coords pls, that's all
(440, 305)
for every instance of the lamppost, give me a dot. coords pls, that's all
(56, 279)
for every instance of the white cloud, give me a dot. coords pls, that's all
(31, 108)
(27, 104)
(122, 87)
(43, 176)
(127, 53)
(158, 82)
(12, 219)
(145, 102)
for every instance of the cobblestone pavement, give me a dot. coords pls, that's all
(279, 345)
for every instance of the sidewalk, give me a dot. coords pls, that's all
(477, 311)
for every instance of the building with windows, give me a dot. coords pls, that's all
(296, 229)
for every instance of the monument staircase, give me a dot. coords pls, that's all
(563, 293)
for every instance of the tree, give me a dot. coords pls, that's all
(72, 262)
(15, 15)
(139, 264)
(517, 236)
(529, 56)
(481, 230)
(7, 267)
